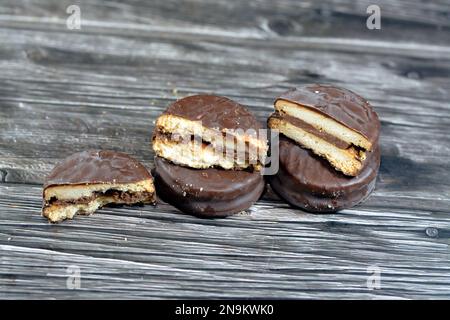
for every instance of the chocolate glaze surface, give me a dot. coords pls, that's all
(341, 104)
(215, 112)
(207, 192)
(309, 182)
(97, 166)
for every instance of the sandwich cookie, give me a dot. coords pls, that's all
(208, 156)
(307, 181)
(207, 192)
(334, 123)
(88, 180)
(205, 131)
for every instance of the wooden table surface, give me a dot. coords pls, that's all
(63, 91)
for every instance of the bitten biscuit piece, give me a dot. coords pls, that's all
(205, 131)
(88, 180)
(333, 122)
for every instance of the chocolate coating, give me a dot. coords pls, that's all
(207, 192)
(309, 182)
(215, 112)
(97, 166)
(340, 104)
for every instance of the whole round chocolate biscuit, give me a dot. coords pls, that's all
(309, 182)
(207, 192)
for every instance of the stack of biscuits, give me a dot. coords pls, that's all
(329, 153)
(208, 156)
(210, 153)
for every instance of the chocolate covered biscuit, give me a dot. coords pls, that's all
(334, 123)
(207, 192)
(88, 180)
(205, 131)
(310, 183)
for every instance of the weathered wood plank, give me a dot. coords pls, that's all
(63, 91)
(413, 21)
(274, 252)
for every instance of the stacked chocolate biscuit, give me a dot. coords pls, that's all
(329, 154)
(208, 156)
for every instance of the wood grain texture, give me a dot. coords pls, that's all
(63, 91)
(271, 252)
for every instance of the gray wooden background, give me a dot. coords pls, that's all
(63, 91)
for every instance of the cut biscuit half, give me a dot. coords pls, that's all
(89, 180)
(335, 123)
(209, 131)
(191, 144)
(349, 161)
(323, 123)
